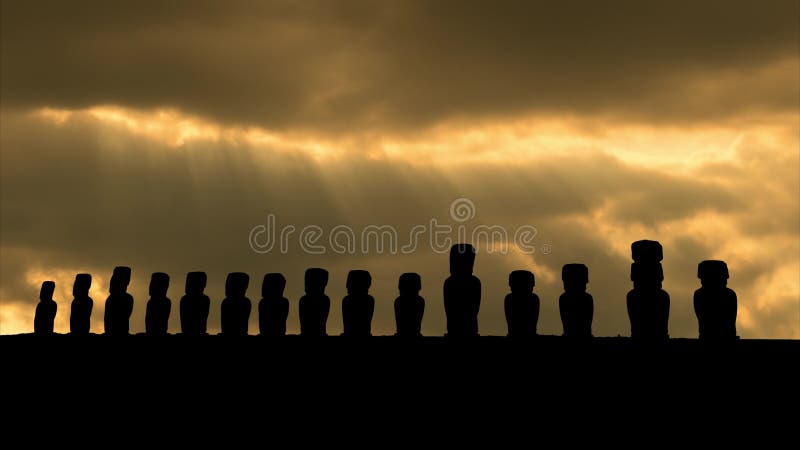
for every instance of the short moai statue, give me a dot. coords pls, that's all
(314, 306)
(714, 303)
(235, 312)
(81, 309)
(195, 305)
(462, 293)
(273, 308)
(45, 310)
(358, 306)
(119, 304)
(521, 305)
(575, 304)
(409, 307)
(648, 304)
(156, 320)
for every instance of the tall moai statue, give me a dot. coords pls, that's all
(575, 304)
(409, 307)
(235, 313)
(314, 306)
(358, 306)
(195, 305)
(156, 319)
(648, 304)
(119, 304)
(81, 309)
(273, 308)
(462, 293)
(521, 305)
(714, 303)
(45, 310)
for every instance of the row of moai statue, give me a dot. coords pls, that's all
(648, 304)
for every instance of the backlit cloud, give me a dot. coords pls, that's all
(84, 190)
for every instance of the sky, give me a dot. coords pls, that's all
(176, 136)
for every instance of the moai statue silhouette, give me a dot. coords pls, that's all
(714, 303)
(521, 305)
(314, 306)
(81, 309)
(195, 305)
(462, 293)
(648, 304)
(273, 308)
(358, 306)
(409, 307)
(119, 304)
(156, 319)
(235, 313)
(575, 304)
(45, 310)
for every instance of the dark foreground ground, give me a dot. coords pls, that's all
(430, 382)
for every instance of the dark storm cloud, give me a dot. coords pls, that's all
(394, 64)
